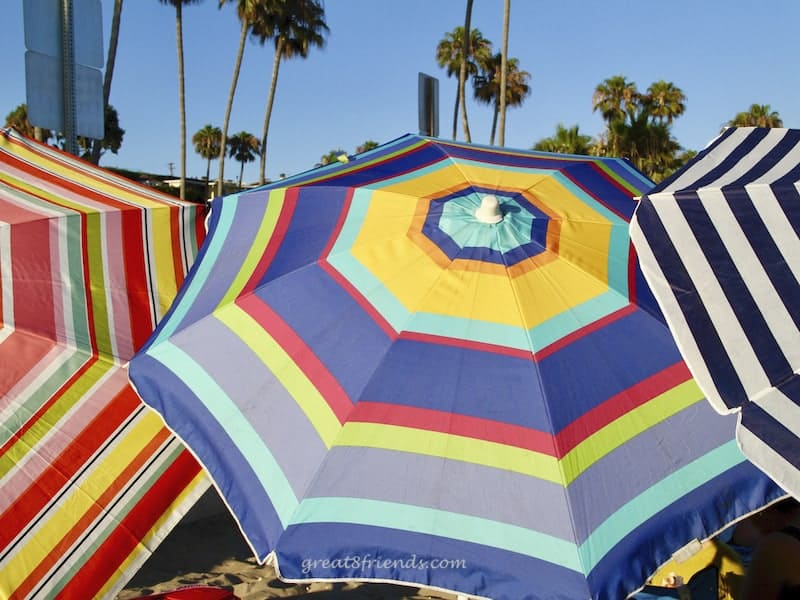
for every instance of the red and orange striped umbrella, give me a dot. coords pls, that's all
(90, 479)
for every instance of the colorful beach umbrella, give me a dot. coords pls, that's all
(90, 479)
(719, 244)
(438, 364)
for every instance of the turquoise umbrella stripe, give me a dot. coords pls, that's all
(194, 286)
(656, 498)
(225, 411)
(431, 521)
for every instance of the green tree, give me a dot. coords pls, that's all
(759, 115)
(646, 142)
(97, 145)
(243, 147)
(18, 119)
(249, 12)
(368, 145)
(666, 101)
(466, 50)
(207, 142)
(486, 86)
(504, 72)
(638, 126)
(612, 98)
(113, 135)
(332, 156)
(296, 26)
(448, 55)
(179, 4)
(566, 141)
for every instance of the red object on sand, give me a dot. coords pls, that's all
(194, 592)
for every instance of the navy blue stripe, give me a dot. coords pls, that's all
(769, 160)
(732, 282)
(666, 183)
(788, 180)
(327, 318)
(313, 222)
(604, 191)
(732, 159)
(770, 430)
(723, 374)
(766, 250)
(789, 200)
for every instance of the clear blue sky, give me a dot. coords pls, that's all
(724, 55)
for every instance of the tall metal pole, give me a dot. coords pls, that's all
(68, 75)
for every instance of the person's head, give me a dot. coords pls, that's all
(779, 515)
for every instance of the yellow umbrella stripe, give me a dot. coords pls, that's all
(68, 168)
(285, 369)
(262, 238)
(628, 426)
(159, 232)
(453, 447)
(188, 496)
(520, 460)
(82, 499)
(69, 397)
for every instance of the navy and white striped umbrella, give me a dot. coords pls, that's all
(719, 245)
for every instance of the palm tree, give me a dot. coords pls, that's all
(18, 119)
(759, 115)
(566, 141)
(97, 145)
(332, 156)
(178, 4)
(504, 72)
(368, 145)
(612, 98)
(666, 101)
(448, 55)
(296, 26)
(487, 86)
(647, 143)
(248, 11)
(113, 135)
(243, 147)
(206, 143)
(462, 72)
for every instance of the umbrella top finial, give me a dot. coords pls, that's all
(489, 210)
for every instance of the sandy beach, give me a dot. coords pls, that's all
(207, 548)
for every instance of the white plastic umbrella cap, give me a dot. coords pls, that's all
(489, 210)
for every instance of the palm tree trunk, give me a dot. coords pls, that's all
(208, 172)
(241, 174)
(455, 112)
(181, 94)
(97, 145)
(268, 112)
(495, 112)
(504, 73)
(234, 81)
(462, 73)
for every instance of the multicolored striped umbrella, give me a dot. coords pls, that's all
(438, 364)
(720, 244)
(90, 479)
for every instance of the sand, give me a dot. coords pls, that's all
(207, 548)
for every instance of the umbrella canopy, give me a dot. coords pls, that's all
(90, 478)
(719, 245)
(438, 364)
